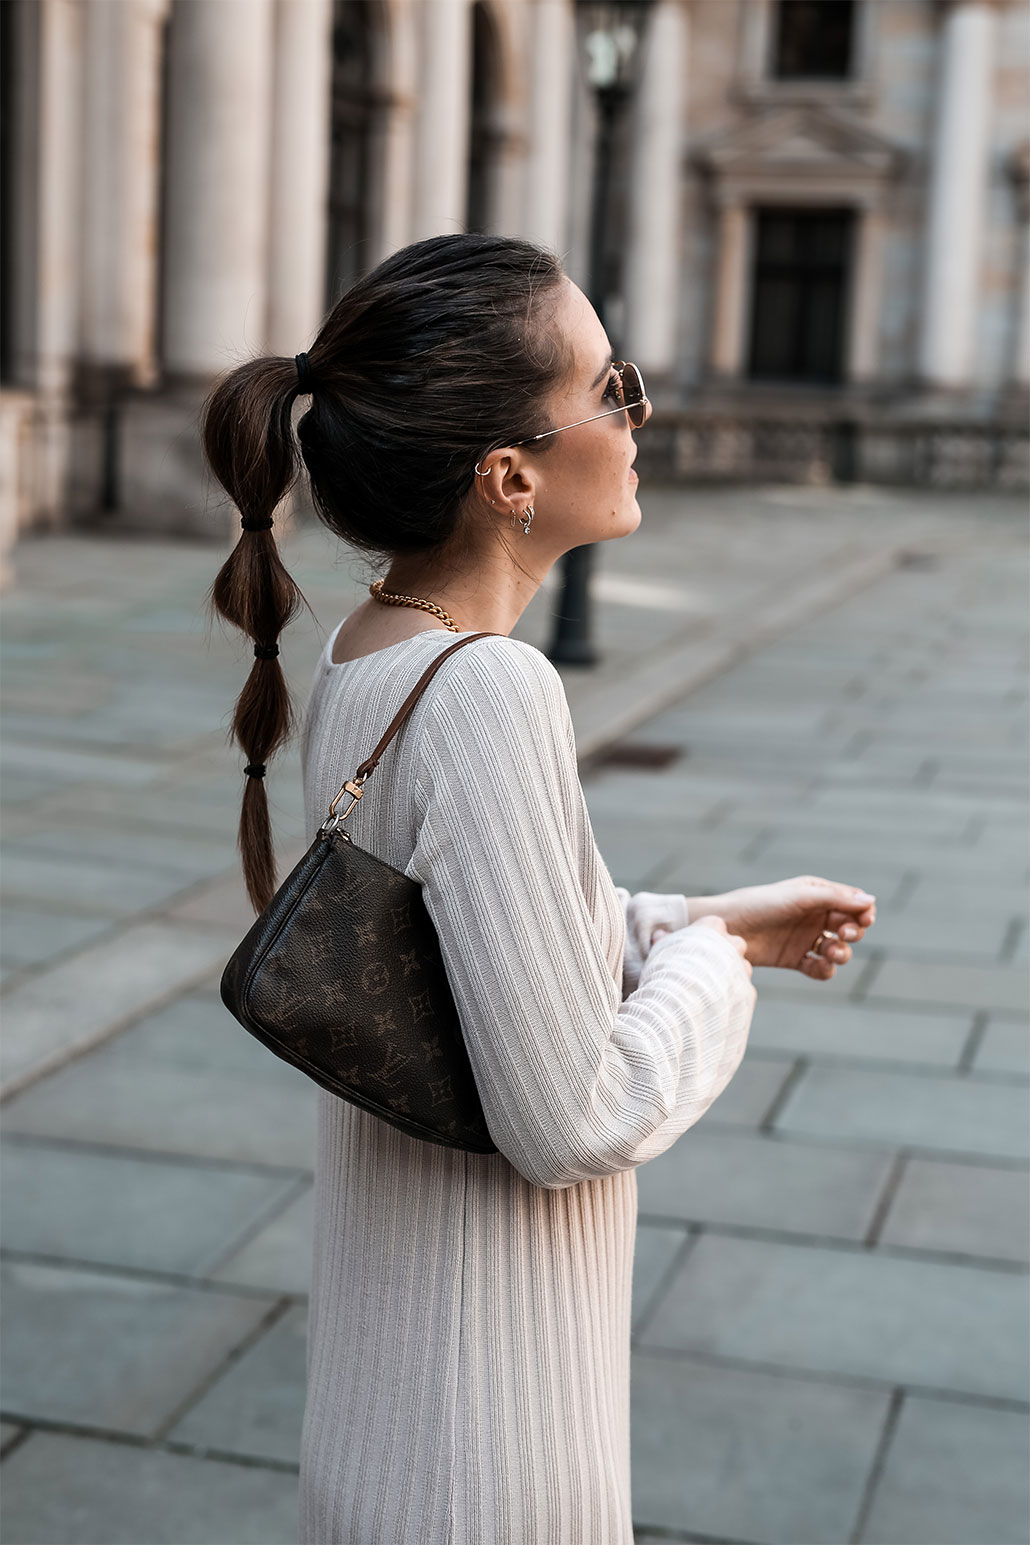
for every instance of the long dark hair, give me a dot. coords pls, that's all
(434, 358)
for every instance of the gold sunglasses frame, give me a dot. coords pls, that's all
(619, 366)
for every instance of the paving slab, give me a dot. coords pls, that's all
(38, 762)
(1005, 1048)
(750, 1093)
(849, 1312)
(224, 901)
(761, 1182)
(61, 1489)
(831, 813)
(104, 1351)
(30, 936)
(955, 1472)
(982, 788)
(996, 898)
(970, 1209)
(948, 1113)
(88, 996)
(735, 1455)
(774, 983)
(195, 1031)
(657, 1246)
(256, 1408)
(945, 863)
(131, 1211)
(1004, 988)
(278, 1258)
(938, 934)
(265, 1119)
(102, 887)
(860, 1032)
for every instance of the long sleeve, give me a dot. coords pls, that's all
(643, 912)
(576, 1080)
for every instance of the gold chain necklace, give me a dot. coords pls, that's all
(391, 598)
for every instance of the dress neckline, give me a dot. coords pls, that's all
(374, 654)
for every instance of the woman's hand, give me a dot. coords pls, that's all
(712, 920)
(781, 922)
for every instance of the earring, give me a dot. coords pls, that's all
(527, 519)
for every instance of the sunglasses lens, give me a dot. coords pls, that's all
(633, 395)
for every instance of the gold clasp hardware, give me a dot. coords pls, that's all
(351, 787)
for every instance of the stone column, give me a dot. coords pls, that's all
(553, 46)
(60, 171)
(653, 259)
(958, 181)
(216, 259)
(120, 213)
(441, 149)
(299, 195)
(396, 150)
(727, 346)
(863, 348)
(60, 180)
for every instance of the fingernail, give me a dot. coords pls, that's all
(864, 896)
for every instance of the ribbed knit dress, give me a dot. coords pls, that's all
(468, 1344)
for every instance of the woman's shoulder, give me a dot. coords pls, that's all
(502, 681)
(506, 665)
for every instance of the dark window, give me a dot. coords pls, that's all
(799, 294)
(353, 108)
(813, 39)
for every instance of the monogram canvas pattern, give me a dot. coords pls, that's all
(342, 976)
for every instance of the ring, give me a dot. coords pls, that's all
(815, 953)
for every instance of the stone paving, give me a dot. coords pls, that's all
(830, 1284)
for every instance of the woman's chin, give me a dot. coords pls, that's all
(630, 519)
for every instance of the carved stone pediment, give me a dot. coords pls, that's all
(800, 153)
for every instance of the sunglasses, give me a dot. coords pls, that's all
(625, 387)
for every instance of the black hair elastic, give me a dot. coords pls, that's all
(305, 379)
(256, 525)
(266, 651)
(255, 769)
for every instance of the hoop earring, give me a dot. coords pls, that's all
(477, 471)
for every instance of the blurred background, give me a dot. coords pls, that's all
(807, 220)
(813, 233)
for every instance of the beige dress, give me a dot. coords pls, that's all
(468, 1348)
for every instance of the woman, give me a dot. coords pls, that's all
(468, 1354)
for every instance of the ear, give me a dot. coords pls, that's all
(507, 479)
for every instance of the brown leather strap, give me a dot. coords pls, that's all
(369, 765)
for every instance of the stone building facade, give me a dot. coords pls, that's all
(820, 211)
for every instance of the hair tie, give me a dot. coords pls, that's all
(265, 651)
(255, 769)
(250, 523)
(305, 378)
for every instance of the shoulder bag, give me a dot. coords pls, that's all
(341, 975)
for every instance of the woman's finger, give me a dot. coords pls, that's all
(835, 950)
(850, 925)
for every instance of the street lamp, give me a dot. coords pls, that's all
(611, 34)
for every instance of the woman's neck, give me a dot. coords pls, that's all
(489, 596)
